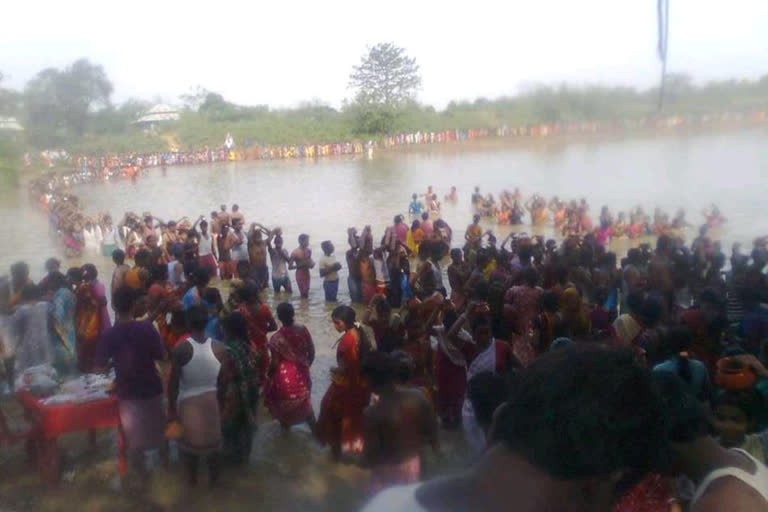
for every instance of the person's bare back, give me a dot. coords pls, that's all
(397, 426)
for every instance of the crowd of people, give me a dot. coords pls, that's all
(573, 218)
(580, 380)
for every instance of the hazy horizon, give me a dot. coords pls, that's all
(283, 55)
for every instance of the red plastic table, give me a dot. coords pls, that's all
(51, 421)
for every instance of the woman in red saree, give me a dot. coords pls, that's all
(290, 386)
(341, 412)
(521, 308)
(91, 317)
(260, 321)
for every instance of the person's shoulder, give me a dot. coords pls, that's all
(401, 498)
(182, 348)
(732, 494)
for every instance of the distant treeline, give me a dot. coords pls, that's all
(71, 109)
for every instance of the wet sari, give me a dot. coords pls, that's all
(290, 386)
(341, 411)
(238, 397)
(63, 316)
(91, 319)
(258, 327)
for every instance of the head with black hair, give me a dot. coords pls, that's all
(158, 273)
(482, 330)
(123, 300)
(584, 412)
(201, 277)
(380, 369)
(212, 297)
(651, 310)
(143, 258)
(531, 277)
(75, 276)
(550, 302)
(235, 327)
(343, 318)
(197, 319)
(685, 421)
(56, 281)
(19, 274)
(285, 313)
(30, 293)
(737, 413)
(634, 256)
(89, 272)
(118, 257)
(52, 265)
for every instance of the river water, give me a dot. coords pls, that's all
(325, 197)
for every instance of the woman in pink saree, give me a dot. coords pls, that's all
(290, 386)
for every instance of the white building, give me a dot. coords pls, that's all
(160, 113)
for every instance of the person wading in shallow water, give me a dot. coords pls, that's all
(301, 260)
(396, 426)
(192, 395)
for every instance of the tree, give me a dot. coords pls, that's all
(117, 119)
(58, 103)
(194, 98)
(385, 76)
(10, 100)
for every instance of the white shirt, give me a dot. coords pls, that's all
(757, 480)
(204, 245)
(382, 272)
(240, 252)
(279, 263)
(326, 263)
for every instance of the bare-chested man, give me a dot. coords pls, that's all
(301, 260)
(257, 253)
(395, 427)
(474, 233)
(237, 215)
(224, 217)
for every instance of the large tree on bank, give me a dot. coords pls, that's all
(385, 80)
(59, 102)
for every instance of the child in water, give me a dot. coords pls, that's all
(415, 207)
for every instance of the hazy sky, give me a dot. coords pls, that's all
(281, 53)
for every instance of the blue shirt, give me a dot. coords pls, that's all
(699, 375)
(415, 207)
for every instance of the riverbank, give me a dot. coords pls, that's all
(530, 136)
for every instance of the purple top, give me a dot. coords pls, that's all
(133, 347)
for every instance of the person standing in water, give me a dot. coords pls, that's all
(395, 427)
(257, 253)
(416, 206)
(206, 253)
(301, 260)
(329, 271)
(289, 388)
(280, 258)
(341, 412)
(192, 395)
